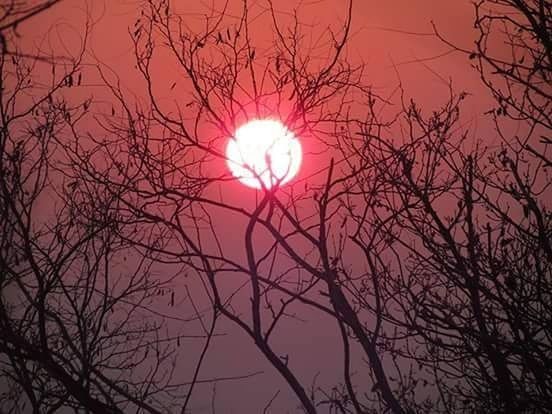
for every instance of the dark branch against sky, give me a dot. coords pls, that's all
(406, 268)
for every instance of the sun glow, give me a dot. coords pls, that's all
(263, 151)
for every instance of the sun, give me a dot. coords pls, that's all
(263, 151)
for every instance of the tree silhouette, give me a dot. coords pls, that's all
(428, 251)
(79, 324)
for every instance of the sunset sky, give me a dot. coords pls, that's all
(392, 38)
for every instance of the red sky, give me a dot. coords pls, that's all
(388, 36)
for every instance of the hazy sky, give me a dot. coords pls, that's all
(389, 36)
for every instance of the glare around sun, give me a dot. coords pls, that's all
(263, 150)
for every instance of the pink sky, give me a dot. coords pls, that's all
(388, 36)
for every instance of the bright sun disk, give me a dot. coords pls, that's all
(263, 150)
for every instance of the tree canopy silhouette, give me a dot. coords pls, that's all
(428, 250)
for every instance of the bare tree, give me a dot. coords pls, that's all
(429, 252)
(81, 326)
(513, 55)
(447, 297)
(469, 287)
